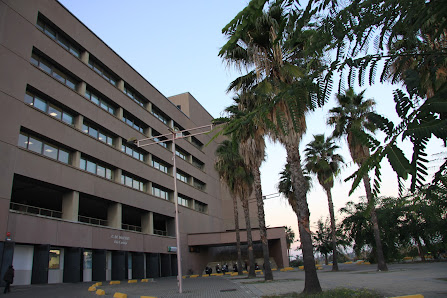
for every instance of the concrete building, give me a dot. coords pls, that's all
(78, 202)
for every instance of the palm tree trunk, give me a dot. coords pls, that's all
(333, 232)
(381, 265)
(251, 257)
(268, 275)
(326, 260)
(238, 236)
(300, 187)
(420, 250)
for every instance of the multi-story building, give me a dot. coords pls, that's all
(78, 200)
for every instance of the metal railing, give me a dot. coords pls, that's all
(130, 227)
(160, 232)
(35, 210)
(92, 220)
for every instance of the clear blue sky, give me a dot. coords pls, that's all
(175, 45)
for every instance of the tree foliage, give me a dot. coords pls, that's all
(399, 41)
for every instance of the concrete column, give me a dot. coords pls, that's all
(76, 159)
(149, 106)
(119, 142)
(81, 87)
(85, 57)
(120, 85)
(189, 158)
(193, 204)
(70, 206)
(114, 215)
(149, 187)
(149, 159)
(119, 113)
(171, 123)
(147, 223)
(78, 121)
(117, 175)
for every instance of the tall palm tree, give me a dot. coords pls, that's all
(230, 169)
(282, 81)
(322, 160)
(350, 119)
(235, 174)
(252, 150)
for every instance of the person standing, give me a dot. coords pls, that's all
(8, 278)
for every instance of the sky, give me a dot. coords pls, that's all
(175, 44)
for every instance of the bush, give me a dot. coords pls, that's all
(296, 263)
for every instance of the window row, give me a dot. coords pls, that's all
(49, 108)
(96, 168)
(132, 181)
(135, 153)
(97, 133)
(133, 94)
(100, 101)
(159, 165)
(134, 122)
(56, 34)
(39, 146)
(49, 149)
(100, 69)
(53, 70)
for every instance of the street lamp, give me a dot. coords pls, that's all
(175, 135)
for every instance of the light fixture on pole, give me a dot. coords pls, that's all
(175, 135)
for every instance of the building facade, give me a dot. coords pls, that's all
(78, 200)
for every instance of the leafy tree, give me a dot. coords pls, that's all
(322, 160)
(281, 77)
(350, 119)
(234, 173)
(323, 240)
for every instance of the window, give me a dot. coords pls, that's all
(134, 122)
(132, 94)
(183, 201)
(199, 184)
(201, 207)
(100, 101)
(39, 146)
(100, 69)
(197, 163)
(97, 133)
(159, 165)
(162, 140)
(196, 143)
(160, 192)
(159, 115)
(182, 177)
(182, 154)
(96, 168)
(47, 107)
(55, 33)
(132, 181)
(53, 70)
(135, 153)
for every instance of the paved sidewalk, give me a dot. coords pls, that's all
(428, 279)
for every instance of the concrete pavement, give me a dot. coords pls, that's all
(429, 279)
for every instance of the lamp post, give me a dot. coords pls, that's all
(175, 135)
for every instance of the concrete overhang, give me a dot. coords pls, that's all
(229, 237)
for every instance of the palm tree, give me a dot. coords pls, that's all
(322, 160)
(231, 167)
(282, 83)
(290, 238)
(350, 119)
(252, 150)
(232, 172)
